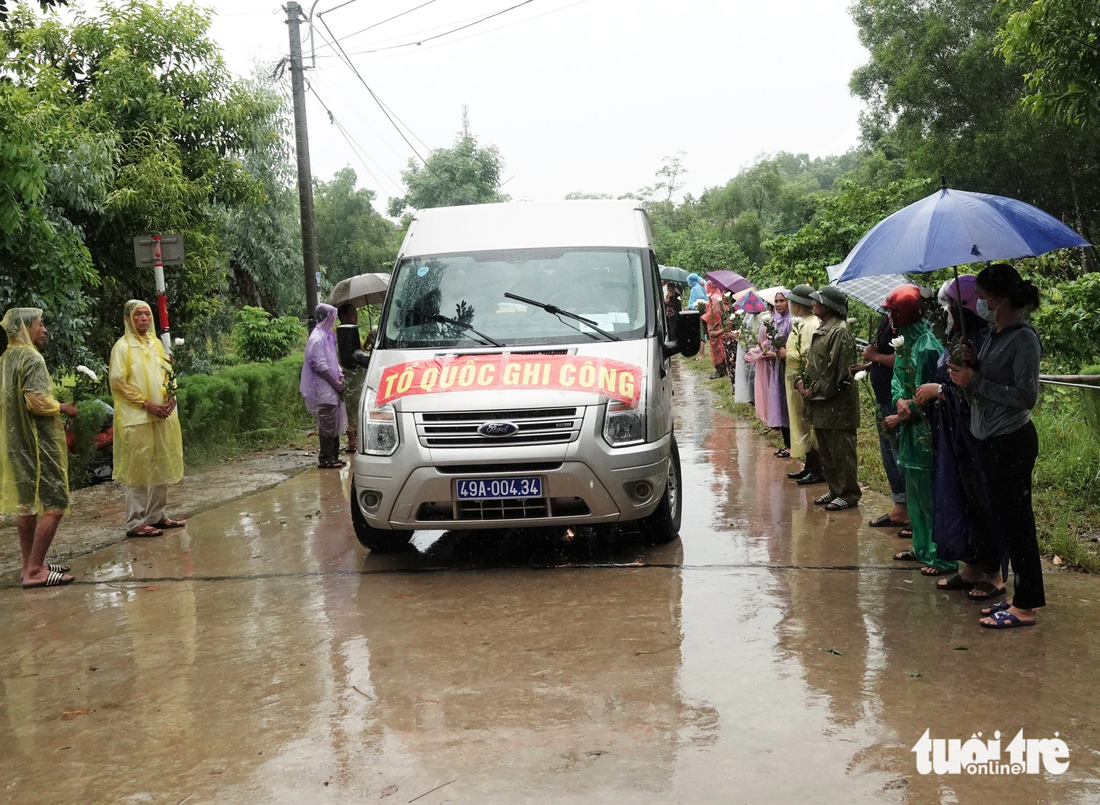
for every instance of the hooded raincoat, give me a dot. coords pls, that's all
(320, 360)
(34, 461)
(148, 449)
(771, 392)
(915, 365)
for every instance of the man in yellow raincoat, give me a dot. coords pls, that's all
(148, 444)
(34, 460)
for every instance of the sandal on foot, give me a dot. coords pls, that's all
(57, 568)
(838, 504)
(1001, 607)
(784, 453)
(985, 590)
(1005, 620)
(827, 498)
(53, 579)
(956, 582)
(167, 522)
(886, 522)
(905, 533)
(145, 531)
(906, 556)
(936, 571)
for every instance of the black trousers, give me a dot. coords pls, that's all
(1007, 462)
(327, 416)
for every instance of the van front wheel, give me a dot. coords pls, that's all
(377, 540)
(664, 524)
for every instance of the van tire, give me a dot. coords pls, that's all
(664, 524)
(377, 540)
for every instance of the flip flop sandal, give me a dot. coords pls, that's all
(885, 522)
(935, 571)
(989, 612)
(1005, 620)
(145, 531)
(169, 523)
(828, 497)
(838, 504)
(58, 568)
(985, 591)
(784, 453)
(53, 579)
(956, 582)
(906, 556)
(905, 533)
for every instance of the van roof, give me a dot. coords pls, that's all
(528, 225)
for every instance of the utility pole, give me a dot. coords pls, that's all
(305, 177)
(465, 120)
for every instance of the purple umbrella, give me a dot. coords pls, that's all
(750, 303)
(729, 281)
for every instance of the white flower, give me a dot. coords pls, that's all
(178, 342)
(84, 370)
(700, 305)
(739, 312)
(897, 342)
(860, 375)
(766, 317)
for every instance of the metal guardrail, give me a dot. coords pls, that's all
(1073, 381)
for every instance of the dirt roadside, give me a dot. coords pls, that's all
(97, 512)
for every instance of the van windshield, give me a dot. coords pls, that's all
(460, 300)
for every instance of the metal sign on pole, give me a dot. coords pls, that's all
(158, 251)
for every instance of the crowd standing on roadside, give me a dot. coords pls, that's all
(954, 423)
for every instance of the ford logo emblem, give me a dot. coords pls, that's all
(497, 430)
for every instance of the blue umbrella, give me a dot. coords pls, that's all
(952, 228)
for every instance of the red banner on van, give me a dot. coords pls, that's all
(608, 378)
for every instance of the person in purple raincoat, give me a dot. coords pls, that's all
(771, 392)
(322, 387)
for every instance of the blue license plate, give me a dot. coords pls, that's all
(499, 488)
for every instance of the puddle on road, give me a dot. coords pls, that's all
(261, 655)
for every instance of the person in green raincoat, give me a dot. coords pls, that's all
(34, 479)
(917, 350)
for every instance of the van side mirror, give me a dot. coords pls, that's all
(686, 341)
(349, 348)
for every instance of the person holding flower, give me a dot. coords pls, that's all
(34, 469)
(717, 321)
(803, 326)
(1002, 380)
(148, 443)
(771, 393)
(916, 352)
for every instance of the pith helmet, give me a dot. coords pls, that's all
(833, 298)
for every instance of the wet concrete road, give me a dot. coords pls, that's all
(775, 654)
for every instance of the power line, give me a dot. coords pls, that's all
(419, 42)
(383, 22)
(386, 112)
(356, 148)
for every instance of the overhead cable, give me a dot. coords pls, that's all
(383, 22)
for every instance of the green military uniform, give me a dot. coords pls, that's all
(915, 365)
(834, 405)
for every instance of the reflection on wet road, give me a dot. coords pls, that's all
(775, 654)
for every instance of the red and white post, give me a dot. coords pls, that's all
(162, 299)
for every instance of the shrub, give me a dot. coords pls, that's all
(258, 337)
(248, 405)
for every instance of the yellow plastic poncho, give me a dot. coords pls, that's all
(148, 449)
(34, 459)
(798, 344)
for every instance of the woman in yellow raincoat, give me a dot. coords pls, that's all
(34, 460)
(148, 445)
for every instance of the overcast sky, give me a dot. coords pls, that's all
(579, 96)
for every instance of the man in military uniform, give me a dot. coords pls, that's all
(833, 398)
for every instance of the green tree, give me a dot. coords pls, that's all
(463, 174)
(1058, 43)
(43, 3)
(353, 237)
(164, 129)
(941, 97)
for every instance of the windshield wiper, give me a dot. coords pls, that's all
(456, 322)
(557, 311)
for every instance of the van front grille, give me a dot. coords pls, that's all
(533, 426)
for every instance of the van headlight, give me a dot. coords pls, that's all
(623, 424)
(379, 428)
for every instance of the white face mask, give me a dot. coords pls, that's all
(985, 312)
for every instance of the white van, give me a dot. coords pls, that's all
(519, 376)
